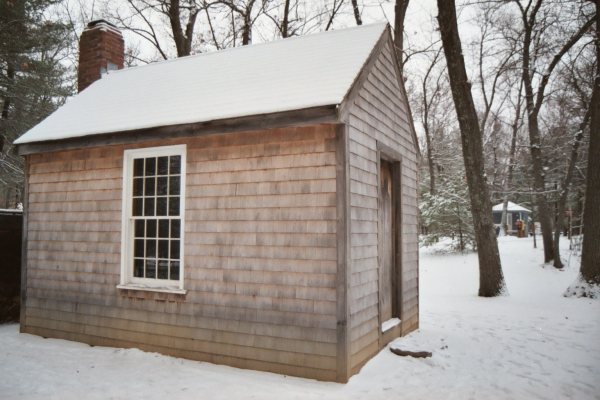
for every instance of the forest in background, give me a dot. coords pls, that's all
(531, 66)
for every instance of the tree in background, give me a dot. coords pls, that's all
(148, 18)
(33, 81)
(569, 109)
(491, 280)
(590, 258)
(446, 211)
(546, 35)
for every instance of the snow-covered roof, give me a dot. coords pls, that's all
(510, 207)
(284, 75)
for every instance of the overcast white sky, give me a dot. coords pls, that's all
(419, 19)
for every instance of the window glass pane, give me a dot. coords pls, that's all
(175, 228)
(163, 249)
(161, 185)
(150, 248)
(138, 268)
(163, 269)
(138, 248)
(173, 205)
(175, 249)
(174, 270)
(163, 165)
(161, 206)
(137, 206)
(139, 228)
(151, 228)
(149, 206)
(150, 268)
(138, 167)
(150, 166)
(149, 189)
(138, 186)
(174, 185)
(163, 228)
(156, 194)
(175, 165)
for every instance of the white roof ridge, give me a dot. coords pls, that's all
(244, 47)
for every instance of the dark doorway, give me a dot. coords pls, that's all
(11, 222)
(388, 240)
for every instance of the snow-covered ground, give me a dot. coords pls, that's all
(531, 344)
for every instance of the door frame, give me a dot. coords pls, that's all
(393, 157)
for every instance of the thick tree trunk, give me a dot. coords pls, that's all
(491, 280)
(183, 39)
(590, 258)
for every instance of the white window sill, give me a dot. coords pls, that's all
(132, 286)
(389, 324)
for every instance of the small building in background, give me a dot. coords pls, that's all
(514, 213)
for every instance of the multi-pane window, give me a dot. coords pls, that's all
(154, 190)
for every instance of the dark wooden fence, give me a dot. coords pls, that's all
(11, 223)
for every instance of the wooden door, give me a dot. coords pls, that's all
(386, 232)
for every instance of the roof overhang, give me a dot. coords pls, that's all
(303, 117)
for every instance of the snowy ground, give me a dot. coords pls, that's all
(532, 344)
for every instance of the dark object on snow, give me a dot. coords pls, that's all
(415, 354)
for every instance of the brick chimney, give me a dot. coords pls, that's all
(101, 49)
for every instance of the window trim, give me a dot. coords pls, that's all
(127, 279)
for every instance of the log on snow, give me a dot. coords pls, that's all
(406, 353)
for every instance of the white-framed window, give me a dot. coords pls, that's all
(153, 218)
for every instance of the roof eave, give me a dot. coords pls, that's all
(300, 117)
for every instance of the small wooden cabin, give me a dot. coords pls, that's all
(255, 207)
(514, 213)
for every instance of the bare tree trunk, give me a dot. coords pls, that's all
(400, 14)
(335, 7)
(460, 231)
(495, 160)
(539, 182)
(590, 258)
(286, 19)
(511, 157)
(356, 12)
(183, 39)
(491, 280)
(426, 123)
(562, 201)
(247, 29)
(430, 159)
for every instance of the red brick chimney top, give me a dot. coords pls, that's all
(101, 49)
